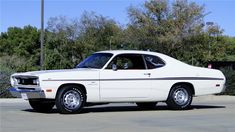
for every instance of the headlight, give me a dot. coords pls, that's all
(36, 81)
(14, 81)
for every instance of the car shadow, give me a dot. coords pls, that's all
(101, 109)
(135, 108)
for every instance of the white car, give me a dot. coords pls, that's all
(142, 77)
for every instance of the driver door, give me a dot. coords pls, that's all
(125, 79)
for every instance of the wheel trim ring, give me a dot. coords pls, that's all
(181, 96)
(71, 100)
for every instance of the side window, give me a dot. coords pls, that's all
(153, 61)
(127, 62)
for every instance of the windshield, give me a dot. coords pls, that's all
(97, 61)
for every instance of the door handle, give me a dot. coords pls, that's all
(147, 74)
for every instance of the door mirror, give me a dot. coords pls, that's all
(114, 67)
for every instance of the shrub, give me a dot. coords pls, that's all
(230, 80)
(6, 69)
(5, 74)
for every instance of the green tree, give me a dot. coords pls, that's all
(176, 29)
(19, 48)
(69, 41)
(230, 50)
(21, 43)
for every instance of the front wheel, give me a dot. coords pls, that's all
(42, 105)
(70, 99)
(180, 97)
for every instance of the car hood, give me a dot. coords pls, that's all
(56, 72)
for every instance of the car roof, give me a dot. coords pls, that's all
(128, 52)
(166, 58)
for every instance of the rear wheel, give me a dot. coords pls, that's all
(42, 105)
(147, 105)
(180, 97)
(70, 99)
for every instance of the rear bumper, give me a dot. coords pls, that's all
(27, 94)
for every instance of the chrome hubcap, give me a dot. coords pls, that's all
(72, 99)
(181, 96)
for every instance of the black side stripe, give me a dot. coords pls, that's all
(140, 79)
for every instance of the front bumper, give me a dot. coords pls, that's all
(27, 93)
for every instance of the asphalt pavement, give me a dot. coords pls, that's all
(208, 114)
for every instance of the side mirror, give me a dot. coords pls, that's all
(114, 67)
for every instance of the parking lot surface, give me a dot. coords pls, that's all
(208, 113)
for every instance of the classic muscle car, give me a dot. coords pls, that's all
(140, 77)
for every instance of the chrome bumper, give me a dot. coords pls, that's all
(27, 93)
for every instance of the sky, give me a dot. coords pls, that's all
(20, 13)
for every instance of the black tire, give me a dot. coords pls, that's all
(147, 105)
(42, 105)
(180, 97)
(70, 99)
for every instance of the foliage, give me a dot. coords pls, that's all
(20, 45)
(68, 42)
(230, 51)
(177, 30)
(5, 73)
(19, 51)
(230, 80)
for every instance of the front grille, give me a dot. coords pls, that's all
(27, 81)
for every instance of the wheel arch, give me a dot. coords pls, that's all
(82, 87)
(183, 83)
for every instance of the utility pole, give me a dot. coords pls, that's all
(42, 36)
(110, 42)
(209, 24)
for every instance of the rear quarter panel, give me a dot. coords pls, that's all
(205, 81)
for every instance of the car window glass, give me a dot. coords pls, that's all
(97, 60)
(153, 61)
(128, 62)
